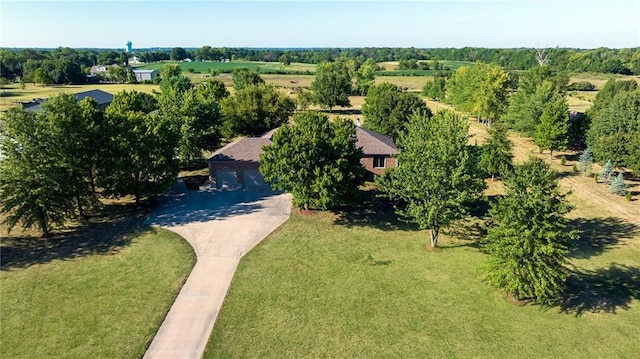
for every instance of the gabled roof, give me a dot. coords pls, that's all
(247, 149)
(144, 71)
(100, 96)
(374, 143)
(103, 98)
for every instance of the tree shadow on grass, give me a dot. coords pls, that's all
(372, 211)
(599, 234)
(105, 233)
(602, 290)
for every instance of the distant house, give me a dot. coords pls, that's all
(145, 75)
(101, 69)
(102, 98)
(236, 164)
(134, 60)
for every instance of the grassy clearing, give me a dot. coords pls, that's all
(32, 91)
(362, 285)
(100, 290)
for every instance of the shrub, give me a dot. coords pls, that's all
(581, 86)
(563, 160)
(618, 186)
(606, 173)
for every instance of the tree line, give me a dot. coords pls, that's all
(57, 162)
(535, 105)
(600, 60)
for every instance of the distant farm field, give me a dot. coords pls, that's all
(260, 67)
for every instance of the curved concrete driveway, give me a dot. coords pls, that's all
(221, 227)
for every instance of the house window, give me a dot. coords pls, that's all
(378, 162)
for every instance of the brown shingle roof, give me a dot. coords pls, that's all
(373, 143)
(247, 149)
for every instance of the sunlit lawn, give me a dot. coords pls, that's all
(359, 286)
(99, 291)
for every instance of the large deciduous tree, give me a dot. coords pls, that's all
(536, 87)
(435, 176)
(387, 109)
(480, 90)
(316, 160)
(34, 190)
(139, 156)
(243, 77)
(332, 85)
(552, 131)
(528, 245)
(496, 157)
(615, 131)
(254, 110)
(195, 114)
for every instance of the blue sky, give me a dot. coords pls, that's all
(426, 23)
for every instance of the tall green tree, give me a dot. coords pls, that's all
(243, 77)
(536, 87)
(34, 190)
(332, 85)
(552, 131)
(139, 157)
(387, 109)
(435, 177)
(480, 90)
(254, 110)
(316, 160)
(496, 157)
(528, 245)
(199, 120)
(615, 131)
(365, 76)
(74, 131)
(436, 88)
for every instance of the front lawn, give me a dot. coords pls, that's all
(358, 287)
(95, 292)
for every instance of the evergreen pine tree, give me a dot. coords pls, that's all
(585, 162)
(618, 186)
(606, 172)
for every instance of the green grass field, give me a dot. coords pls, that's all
(99, 291)
(361, 285)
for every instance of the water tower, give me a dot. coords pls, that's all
(129, 49)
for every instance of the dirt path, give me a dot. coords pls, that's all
(590, 199)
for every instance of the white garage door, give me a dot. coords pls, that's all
(253, 179)
(226, 178)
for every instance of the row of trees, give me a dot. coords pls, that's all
(538, 108)
(57, 161)
(622, 61)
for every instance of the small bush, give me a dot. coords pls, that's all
(563, 160)
(581, 86)
(628, 196)
(618, 186)
(575, 168)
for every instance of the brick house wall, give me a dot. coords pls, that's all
(367, 162)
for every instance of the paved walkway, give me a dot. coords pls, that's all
(221, 227)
